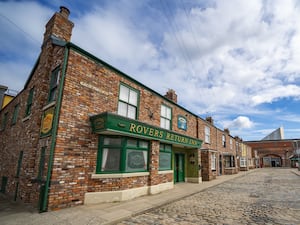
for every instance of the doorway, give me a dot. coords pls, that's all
(179, 168)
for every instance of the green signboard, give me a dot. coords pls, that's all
(112, 122)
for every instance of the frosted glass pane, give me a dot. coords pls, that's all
(133, 98)
(124, 93)
(122, 109)
(131, 112)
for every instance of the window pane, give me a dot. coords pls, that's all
(112, 141)
(163, 111)
(124, 93)
(168, 113)
(136, 160)
(133, 98)
(143, 144)
(110, 159)
(122, 109)
(131, 112)
(167, 126)
(132, 143)
(168, 148)
(164, 161)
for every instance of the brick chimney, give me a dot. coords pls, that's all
(210, 120)
(226, 130)
(171, 95)
(59, 26)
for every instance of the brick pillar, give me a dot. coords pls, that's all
(154, 163)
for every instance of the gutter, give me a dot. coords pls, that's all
(44, 207)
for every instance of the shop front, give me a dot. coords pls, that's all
(136, 159)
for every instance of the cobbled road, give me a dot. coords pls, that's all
(266, 196)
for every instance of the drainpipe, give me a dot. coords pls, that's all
(54, 131)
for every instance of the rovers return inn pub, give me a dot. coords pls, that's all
(83, 132)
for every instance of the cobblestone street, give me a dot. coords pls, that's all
(266, 196)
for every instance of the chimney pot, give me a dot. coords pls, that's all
(64, 11)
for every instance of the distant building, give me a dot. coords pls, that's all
(6, 95)
(274, 150)
(277, 134)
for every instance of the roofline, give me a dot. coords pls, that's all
(281, 140)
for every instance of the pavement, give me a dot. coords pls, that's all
(16, 213)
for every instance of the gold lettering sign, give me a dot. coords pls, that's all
(47, 121)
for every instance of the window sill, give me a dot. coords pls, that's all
(165, 171)
(119, 175)
(49, 105)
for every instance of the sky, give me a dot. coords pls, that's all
(236, 61)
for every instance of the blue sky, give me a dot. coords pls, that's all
(237, 61)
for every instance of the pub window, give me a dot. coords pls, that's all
(121, 155)
(54, 84)
(165, 157)
(165, 117)
(128, 102)
(207, 134)
(15, 114)
(4, 121)
(29, 102)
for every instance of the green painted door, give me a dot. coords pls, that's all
(179, 168)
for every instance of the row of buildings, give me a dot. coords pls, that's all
(83, 132)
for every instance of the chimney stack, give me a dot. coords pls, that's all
(59, 26)
(171, 95)
(210, 120)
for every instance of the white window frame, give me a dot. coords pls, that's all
(128, 102)
(223, 140)
(213, 161)
(243, 162)
(207, 134)
(165, 117)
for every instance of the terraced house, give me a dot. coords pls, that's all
(83, 132)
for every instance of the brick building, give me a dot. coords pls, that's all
(83, 132)
(274, 153)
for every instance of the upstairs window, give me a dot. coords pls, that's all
(223, 141)
(54, 84)
(207, 134)
(128, 102)
(165, 117)
(4, 121)
(15, 115)
(230, 142)
(29, 102)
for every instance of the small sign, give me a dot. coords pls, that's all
(47, 120)
(182, 123)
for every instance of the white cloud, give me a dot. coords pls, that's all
(241, 122)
